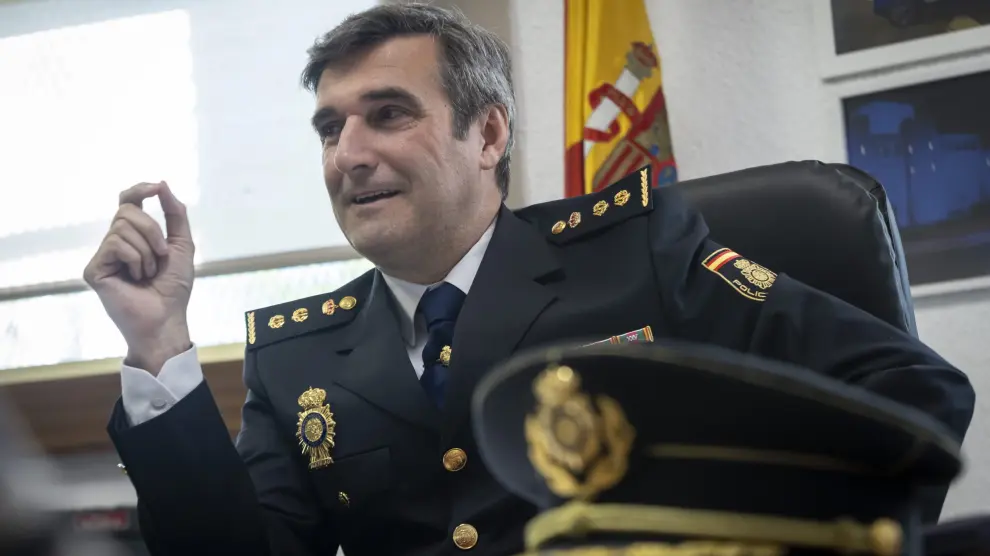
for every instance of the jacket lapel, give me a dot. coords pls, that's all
(376, 363)
(507, 295)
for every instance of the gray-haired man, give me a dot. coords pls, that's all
(355, 431)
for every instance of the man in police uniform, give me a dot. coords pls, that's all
(689, 450)
(356, 429)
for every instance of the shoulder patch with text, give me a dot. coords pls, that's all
(749, 279)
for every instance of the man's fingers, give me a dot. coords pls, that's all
(143, 223)
(131, 236)
(176, 218)
(116, 251)
(134, 195)
(135, 241)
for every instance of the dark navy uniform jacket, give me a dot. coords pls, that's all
(622, 260)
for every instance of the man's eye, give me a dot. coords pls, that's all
(388, 113)
(329, 132)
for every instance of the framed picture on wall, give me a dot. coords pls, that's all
(925, 135)
(858, 36)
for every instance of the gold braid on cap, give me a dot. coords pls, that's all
(691, 548)
(575, 519)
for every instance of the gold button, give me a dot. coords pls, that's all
(347, 303)
(454, 459)
(558, 227)
(886, 537)
(465, 536)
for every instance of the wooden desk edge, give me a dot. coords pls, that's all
(80, 369)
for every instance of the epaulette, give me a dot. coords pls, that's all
(568, 219)
(286, 320)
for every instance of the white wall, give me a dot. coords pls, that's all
(743, 90)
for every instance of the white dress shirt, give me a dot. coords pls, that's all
(145, 396)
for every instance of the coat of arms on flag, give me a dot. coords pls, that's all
(616, 115)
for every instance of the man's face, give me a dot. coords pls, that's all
(397, 177)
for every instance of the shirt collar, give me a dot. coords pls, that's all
(408, 294)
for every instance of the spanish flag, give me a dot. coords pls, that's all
(616, 116)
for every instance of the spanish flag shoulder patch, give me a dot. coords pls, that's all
(749, 279)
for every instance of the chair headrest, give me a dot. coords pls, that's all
(962, 536)
(827, 225)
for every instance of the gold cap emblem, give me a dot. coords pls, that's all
(348, 303)
(316, 428)
(578, 448)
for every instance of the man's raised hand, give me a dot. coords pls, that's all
(144, 277)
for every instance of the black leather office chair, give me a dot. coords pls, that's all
(827, 225)
(963, 536)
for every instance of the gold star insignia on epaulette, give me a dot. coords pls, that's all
(300, 317)
(608, 206)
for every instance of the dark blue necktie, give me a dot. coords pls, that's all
(439, 307)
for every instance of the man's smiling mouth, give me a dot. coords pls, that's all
(373, 196)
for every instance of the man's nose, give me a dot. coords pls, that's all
(354, 154)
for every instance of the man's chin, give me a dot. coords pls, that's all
(377, 241)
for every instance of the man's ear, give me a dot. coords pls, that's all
(494, 134)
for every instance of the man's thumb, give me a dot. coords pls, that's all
(176, 216)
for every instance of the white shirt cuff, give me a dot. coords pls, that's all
(145, 397)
